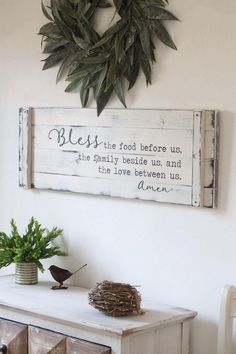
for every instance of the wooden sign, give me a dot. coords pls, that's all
(159, 155)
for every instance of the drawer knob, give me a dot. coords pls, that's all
(3, 348)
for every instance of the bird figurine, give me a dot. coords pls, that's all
(60, 275)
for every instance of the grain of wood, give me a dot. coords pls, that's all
(14, 336)
(25, 149)
(157, 331)
(45, 342)
(157, 155)
(74, 346)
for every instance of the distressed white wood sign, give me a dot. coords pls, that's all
(159, 155)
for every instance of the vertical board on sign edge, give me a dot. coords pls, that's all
(198, 156)
(212, 126)
(25, 148)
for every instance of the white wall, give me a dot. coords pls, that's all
(179, 255)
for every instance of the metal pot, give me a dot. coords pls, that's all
(26, 273)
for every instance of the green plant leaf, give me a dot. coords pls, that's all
(84, 93)
(144, 36)
(119, 91)
(59, 22)
(94, 5)
(54, 59)
(102, 41)
(35, 244)
(145, 65)
(118, 4)
(111, 74)
(104, 4)
(115, 28)
(99, 59)
(102, 99)
(64, 67)
(134, 72)
(73, 85)
(85, 31)
(69, 21)
(48, 29)
(159, 3)
(132, 33)
(163, 35)
(52, 46)
(119, 45)
(81, 42)
(45, 12)
(101, 79)
(159, 13)
(153, 58)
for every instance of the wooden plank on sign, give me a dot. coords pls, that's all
(198, 121)
(162, 119)
(25, 150)
(156, 155)
(211, 159)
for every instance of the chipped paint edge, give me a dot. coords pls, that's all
(25, 151)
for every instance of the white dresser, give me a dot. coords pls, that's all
(62, 322)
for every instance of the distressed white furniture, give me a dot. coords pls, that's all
(161, 330)
(159, 155)
(227, 314)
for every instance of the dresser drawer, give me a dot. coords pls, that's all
(13, 336)
(41, 341)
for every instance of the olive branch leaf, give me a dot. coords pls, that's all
(101, 63)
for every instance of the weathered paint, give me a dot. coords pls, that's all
(161, 329)
(25, 149)
(157, 155)
(14, 337)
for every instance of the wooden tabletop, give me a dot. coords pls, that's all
(71, 307)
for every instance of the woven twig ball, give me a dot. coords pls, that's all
(115, 299)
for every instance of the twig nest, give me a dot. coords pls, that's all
(115, 299)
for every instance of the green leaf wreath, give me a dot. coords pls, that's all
(101, 62)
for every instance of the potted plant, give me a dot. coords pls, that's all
(28, 249)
